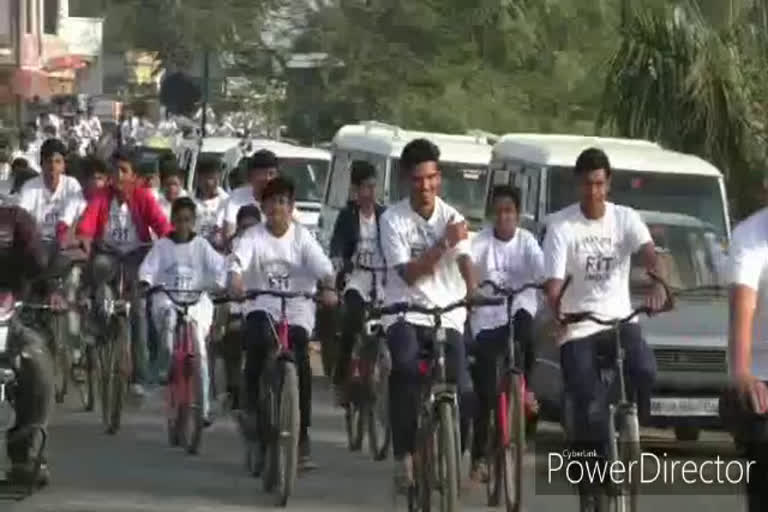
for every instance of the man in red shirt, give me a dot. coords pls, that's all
(119, 218)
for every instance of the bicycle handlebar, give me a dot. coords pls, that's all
(169, 292)
(406, 307)
(511, 292)
(572, 318)
(252, 294)
(366, 268)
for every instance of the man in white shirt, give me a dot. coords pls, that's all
(172, 187)
(592, 242)
(510, 257)
(744, 406)
(211, 202)
(282, 255)
(261, 168)
(426, 241)
(94, 125)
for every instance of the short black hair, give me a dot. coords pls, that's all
(50, 147)
(590, 160)
(248, 211)
(21, 163)
(93, 165)
(208, 166)
(183, 203)
(362, 170)
(279, 186)
(170, 170)
(507, 191)
(417, 152)
(262, 159)
(126, 155)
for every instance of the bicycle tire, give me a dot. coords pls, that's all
(107, 354)
(629, 451)
(354, 421)
(288, 439)
(61, 366)
(379, 429)
(447, 458)
(193, 422)
(268, 415)
(420, 493)
(494, 450)
(87, 389)
(120, 369)
(515, 449)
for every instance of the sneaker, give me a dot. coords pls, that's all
(138, 391)
(305, 455)
(404, 473)
(479, 471)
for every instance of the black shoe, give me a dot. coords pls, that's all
(305, 455)
(23, 474)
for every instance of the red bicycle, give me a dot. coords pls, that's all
(185, 379)
(509, 417)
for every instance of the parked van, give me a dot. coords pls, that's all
(227, 150)
(464, 163)
(306, 166)
(682, 199)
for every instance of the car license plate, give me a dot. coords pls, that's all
(685, 406)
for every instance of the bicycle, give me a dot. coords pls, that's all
(368, 381)
(623, 422)
(279, 415)
(185, 380)
(507, 426)
(438, 443)
(113, 353)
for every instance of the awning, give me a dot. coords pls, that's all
(29, 83)
(67, 62)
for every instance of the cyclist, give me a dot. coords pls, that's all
(356, 239)
(426, 241)
(123, 215)
(592, 241)
(744, 407)
(280, 254)
(173, 187)
(262, 168)
(184, 261)
(23, 259)
(211, 200)
(509, 256)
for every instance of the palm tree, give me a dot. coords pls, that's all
(680, 80)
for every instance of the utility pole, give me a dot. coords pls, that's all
(206, 72)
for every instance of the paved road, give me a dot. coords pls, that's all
(137, 471)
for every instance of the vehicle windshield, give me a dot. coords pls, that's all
(465, 187)
(308, 176)
(693, 195)
(690, 256)
(149, 158)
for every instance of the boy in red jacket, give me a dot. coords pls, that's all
(119, 218)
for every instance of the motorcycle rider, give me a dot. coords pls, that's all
(24, 259)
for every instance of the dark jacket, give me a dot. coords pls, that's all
(346, 234)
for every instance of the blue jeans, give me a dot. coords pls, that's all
(405, 342)
(581, 379)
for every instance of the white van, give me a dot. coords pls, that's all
(307, 167)
(227, 150)
(682, 199)
(464, 163)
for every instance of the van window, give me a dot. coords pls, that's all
(465, 187)
(693, 195)
(308, 176)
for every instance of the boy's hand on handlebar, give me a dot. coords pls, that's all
(753, 391)
(656, 298)
(236, 286)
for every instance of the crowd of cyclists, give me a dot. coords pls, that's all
(206, 239)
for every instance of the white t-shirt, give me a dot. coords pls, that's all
(748, 266)
(194, 265)
(509, 264)
(405, 235)
(121, 231)
(293, 262)
(241, 196)
(367, 253)
(596, 253)
(210, 213)
(49, 208)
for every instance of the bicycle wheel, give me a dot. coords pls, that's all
(192, 426)
(629, 453)
(62, 358)
(447, 458)
(420, 492)
(288, 430)
(354, 419)
(379, 430)
(120, 370)
(107, 354)
(514, 450)
(495, 458)
(87, 386)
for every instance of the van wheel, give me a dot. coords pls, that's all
(687, 433)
